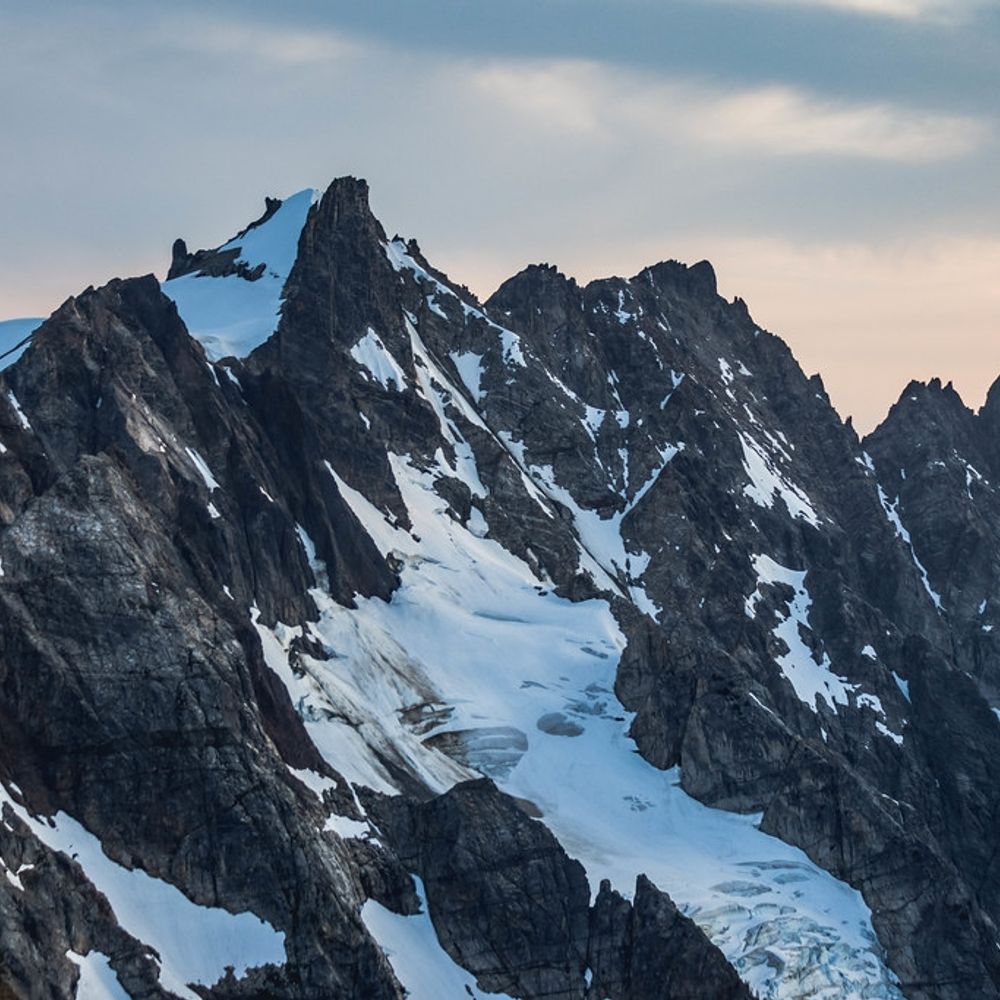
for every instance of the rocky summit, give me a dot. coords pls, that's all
(360, 639)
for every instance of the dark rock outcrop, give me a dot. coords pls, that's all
(647, 949)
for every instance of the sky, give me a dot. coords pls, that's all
(836, 160)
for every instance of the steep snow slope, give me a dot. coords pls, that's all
(231, 314)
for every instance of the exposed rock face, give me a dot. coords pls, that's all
(507, 902)
(128, 681)
(210, 634)
(648, 949)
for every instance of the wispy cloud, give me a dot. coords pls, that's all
(783, 120)
(943, 11)
(589, 99)
(272, 44)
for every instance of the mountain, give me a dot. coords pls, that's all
(360, 637)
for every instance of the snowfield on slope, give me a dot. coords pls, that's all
(232, 316)
(474, 648)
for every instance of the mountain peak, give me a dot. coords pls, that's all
(346, 196)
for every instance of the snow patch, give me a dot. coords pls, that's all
(436, 388)
(203, 470)
(347, 828)
(892, 514)
(593, 419)
(423, 967)
(378, 362)
(903, 685)
(18, 412)
(766, 481)
(401, 260)
(811, 677)
(470, 370)
(510, 344)
(621, 313)
(600, 537)
(98, 981)
(872, 701)
(676, 378)
(886, 731)
(316, 783)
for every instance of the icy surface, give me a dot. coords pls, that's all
(423, 967)
(231, 316)
(195, 943)
(12, 333)
(475, 646)
(98, 980)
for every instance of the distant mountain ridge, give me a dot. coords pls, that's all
(362, 637)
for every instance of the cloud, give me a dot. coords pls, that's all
(275, 44)
(589, 99)
(783, 120)
(942, 11)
